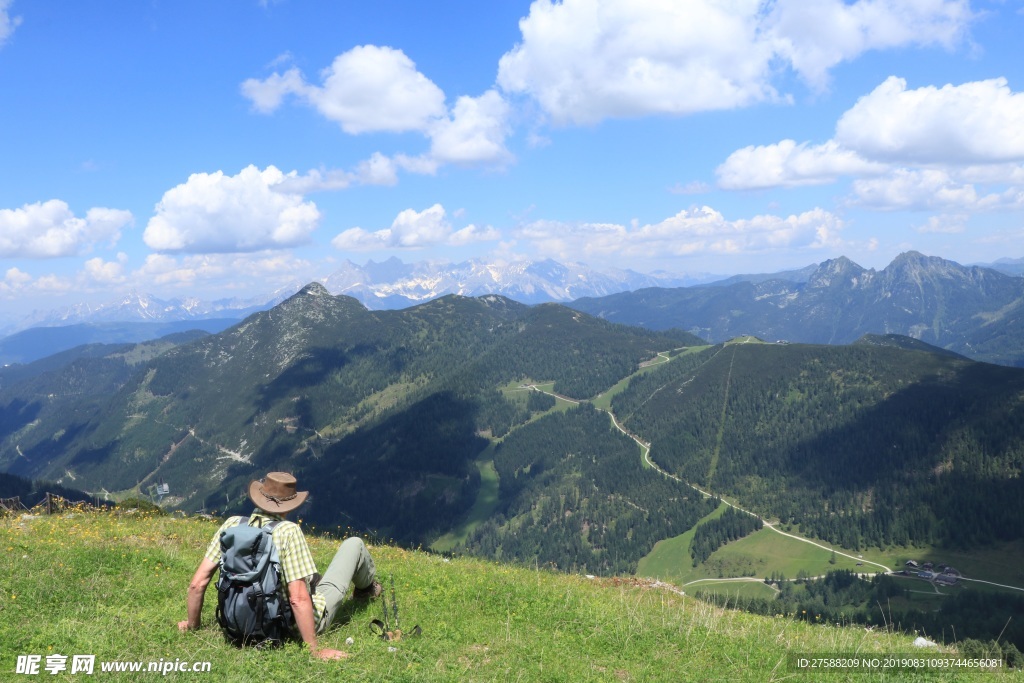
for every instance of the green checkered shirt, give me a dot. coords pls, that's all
(296, 560)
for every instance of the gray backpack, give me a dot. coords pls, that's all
(251, 608)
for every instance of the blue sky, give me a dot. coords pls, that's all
(217, 149)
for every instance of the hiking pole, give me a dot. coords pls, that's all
(384, 607)
(394, 606)
(397, 633)
(383, 628)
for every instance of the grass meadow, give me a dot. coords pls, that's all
(113, 586)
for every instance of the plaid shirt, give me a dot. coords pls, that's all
(296, 560)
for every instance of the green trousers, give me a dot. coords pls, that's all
(351, 564)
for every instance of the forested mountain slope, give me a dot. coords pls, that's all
(574, 494)
(859, 445)
(383, 406)
(386, 413)
(73, 383)
(977, 312)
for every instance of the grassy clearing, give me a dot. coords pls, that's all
(746, 339)
(370, 406)
(671, 557)
(603, 401)
(757, 555)
(483, 507)
(114, 587)
(765, 551)
(740, 590)
(518, 391)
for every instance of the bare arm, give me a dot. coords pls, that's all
(302, 610)
(196, 593)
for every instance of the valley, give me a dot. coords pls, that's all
(752, 569)
(545, 437)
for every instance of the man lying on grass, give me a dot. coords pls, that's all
(314, 600)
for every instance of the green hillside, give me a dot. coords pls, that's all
(113, 586)
(481, 426)
(862, 446)
(320, 385)
(573, 493)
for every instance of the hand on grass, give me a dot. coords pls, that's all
(326, 653)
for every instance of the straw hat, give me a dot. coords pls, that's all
(276, 493)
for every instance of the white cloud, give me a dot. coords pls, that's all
(474, 133)
(947, 189)
(49, 229)
(378, 89)
(816, 36)
(7, 22)
(413, 229)
(18, 284)
(367, 89)
(315, 180)
(162, 269)
(421, 165)
(472, 234)
(245, 274)
(212, 212)
(946, 224)
(1005, 174)
(267, 95)
(16, 277)
(973, 123)
(223, 271)
(98, 271)
(52, 284)
(377, 170)
(14, 282)
(692, 232)
(948, 139)
(920, 189)
(587, 60)
(787, 164)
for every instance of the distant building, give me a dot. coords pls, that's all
(912, 564)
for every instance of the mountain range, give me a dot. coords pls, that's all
(317, 383)
(441, 420)
(394, 284)
(974, 311)
(138, 307)
(386, 285)
(387, 414)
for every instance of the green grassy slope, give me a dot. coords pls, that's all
(114, 587)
